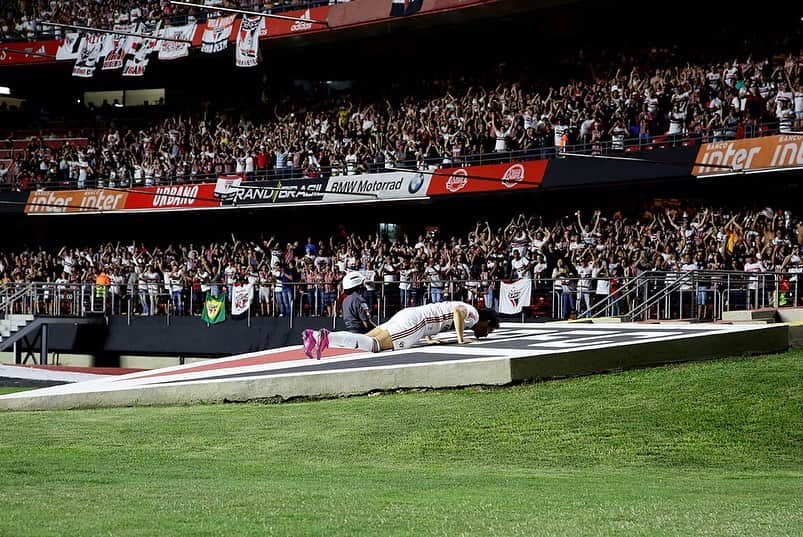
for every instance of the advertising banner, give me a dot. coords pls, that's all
(390, 185)
(275, 192)
(769, 152)
(172, 197)
(153, 198)
(488, 178)
(281, 27)
(216, 34)
(75, 201)
(22, 53)
(172, 50)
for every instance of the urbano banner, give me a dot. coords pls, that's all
(383, 186)
(151, 198)
(769, 152)
(488, 178)
(270, 192)
(161, 198)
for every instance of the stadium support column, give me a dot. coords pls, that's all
(43, 345)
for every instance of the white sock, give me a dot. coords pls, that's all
(350, 340)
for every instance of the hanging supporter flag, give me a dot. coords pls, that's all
(68, 49)
(247, 54)
(402, 8)
(88, 56)
(241, 297)
(514, 296)
(114, 46)
(172, 50)
(227, 185)
(138, 50)
(214, 309)
(216, 35)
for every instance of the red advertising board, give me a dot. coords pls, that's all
(281, 27)
(151, 198)
(28, 52)
(171, 197)
(508, 177)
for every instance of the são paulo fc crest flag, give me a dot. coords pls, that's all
(247, 52)
(214, 309)
(514, 296)
(241, 297)
(402, 8)
(216, 34)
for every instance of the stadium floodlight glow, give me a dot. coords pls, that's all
(249, 13)
(92, 29)
(5, 90)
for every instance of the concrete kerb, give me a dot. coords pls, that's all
(320, 385)
(620, 357)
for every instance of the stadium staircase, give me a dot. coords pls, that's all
(11, 325)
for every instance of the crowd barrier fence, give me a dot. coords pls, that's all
(701, 295)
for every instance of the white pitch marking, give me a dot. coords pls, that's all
(655, 334)
(588, 332)
(571, 344)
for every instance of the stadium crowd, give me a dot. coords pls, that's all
(584, 258)
(441, 123)
(24, 19)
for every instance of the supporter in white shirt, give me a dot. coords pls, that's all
(520, 265)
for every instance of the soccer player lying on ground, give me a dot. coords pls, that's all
(406, 328)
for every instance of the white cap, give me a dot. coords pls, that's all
(352, 279)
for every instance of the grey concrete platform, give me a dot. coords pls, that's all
(514, 353)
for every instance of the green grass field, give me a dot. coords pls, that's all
(702, 449)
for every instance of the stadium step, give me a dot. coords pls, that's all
(12, 324)
(768, 315)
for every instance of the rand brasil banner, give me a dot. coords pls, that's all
(266, 193)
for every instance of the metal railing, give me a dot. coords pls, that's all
(702, 295)
(607, 147)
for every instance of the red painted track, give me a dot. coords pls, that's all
(90, 370)
(267, 358)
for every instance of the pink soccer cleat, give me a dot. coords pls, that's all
(309, 343)
(323, 343)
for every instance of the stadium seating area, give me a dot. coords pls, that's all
(588, 253)
(21, 19)
(626, 105)
(445, 123)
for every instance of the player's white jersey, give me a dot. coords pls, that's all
(412, 324)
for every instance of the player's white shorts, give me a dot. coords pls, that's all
(408, 327)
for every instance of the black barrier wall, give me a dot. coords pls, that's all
(184, 336)
(582, 171)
